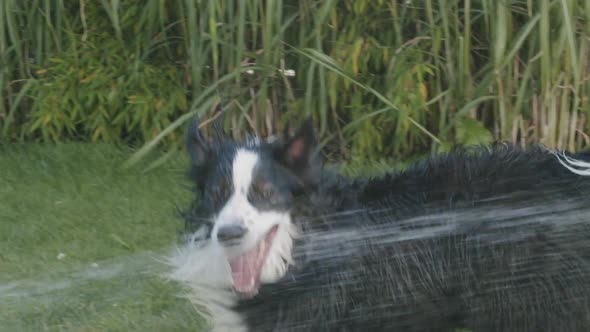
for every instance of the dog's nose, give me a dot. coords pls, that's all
(231, 233)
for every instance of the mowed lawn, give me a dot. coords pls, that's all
(81, 241)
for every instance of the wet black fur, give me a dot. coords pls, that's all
(514, 257)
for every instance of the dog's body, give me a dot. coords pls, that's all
(493, 239)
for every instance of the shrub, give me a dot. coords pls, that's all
(382, 79)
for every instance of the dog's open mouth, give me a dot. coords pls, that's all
(246, 268)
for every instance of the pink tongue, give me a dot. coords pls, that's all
(245, 270)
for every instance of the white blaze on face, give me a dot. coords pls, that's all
(243, 171)
(265, 251)
(238, 209)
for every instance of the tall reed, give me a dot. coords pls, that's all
(383, 80)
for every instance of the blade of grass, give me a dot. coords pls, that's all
(465, 109)
(8, 121)
(144, 150)
(198, 106)
(327, 62)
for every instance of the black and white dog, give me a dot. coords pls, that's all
(486, 239)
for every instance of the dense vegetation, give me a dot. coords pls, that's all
(382, 79)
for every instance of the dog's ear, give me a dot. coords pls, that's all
(197, 147)
(298, 151)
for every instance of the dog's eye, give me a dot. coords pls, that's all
(218, 194)
(221, 192)
(260, 191)
(267, 191)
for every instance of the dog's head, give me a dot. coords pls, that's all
(244, 234)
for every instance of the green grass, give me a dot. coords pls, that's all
(112, 225)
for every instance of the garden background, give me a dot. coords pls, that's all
(88, 86)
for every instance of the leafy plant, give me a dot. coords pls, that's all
(104, 96)
(383, 80)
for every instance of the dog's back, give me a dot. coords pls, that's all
(488, 240)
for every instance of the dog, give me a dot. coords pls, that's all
(489, 238)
